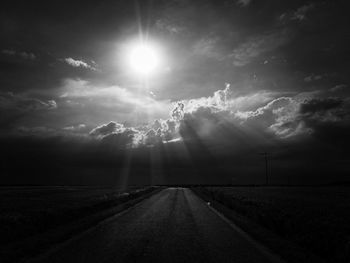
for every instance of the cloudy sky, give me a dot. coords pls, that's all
(236, 78)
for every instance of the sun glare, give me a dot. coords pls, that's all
(144, 59)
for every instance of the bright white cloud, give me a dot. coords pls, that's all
(118, 135)
(227, 100)
(78, 63)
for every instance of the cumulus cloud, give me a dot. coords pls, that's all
(223, 117)
(291, 116)
(279, 116)
(153, 137)
(258, 45)
(276, 105)
(78, 63)
(117, 135)
(106, 129)
(178, 111)
(122, 139)
(201, 123)
(21, 54)
(223, 100)
(213, 118)
(270, 114)
(11, 101)
(162, 131)
(159, 131)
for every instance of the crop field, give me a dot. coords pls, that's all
(316, 218)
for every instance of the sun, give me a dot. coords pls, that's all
(143, 59)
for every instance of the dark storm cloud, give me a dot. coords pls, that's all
(115, 135)
(119, 140)
(320, 105)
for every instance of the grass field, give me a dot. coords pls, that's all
(27, 211)
(315, 218)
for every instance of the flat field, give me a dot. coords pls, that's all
(315, 218)
(27, 211)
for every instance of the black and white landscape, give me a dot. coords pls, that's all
(175, 131)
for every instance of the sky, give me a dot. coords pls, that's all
(236, 78)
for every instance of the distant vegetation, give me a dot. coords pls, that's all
(315, 218)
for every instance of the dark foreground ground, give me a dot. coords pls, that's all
(175, 225)
(171, 226)
(33, 219)
(315, 219)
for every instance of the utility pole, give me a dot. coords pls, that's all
(266, 155)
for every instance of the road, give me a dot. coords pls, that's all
(173, 225)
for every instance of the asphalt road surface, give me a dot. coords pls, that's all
(171, 226)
